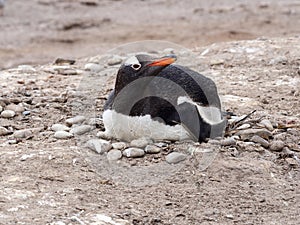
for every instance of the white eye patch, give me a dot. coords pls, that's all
(133, 62)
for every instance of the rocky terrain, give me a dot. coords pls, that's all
(55, 169)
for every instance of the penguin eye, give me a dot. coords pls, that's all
(136, 66)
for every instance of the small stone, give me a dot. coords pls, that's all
(98, 145)
(276, 145)
(25, 157)
(1, 108)
(169, 51)
(228, 141)
(175, 157)
(26, 113)
(244, 126)
(62, 134)
(75, 120)
(140, 143)
(26, 69)
(133, 152)
(115, 60)
(152, 149)
(267, 124)
(114, 155)
(119, 145)
(68, 72)
(161, 144)
(247, 134)
(292, 162)
(25, 133)
(229, 216)
(93, 67)
(79, 130)
(8, 114)
(217, 62)
(4, 131)
(279, 60)
(15, 108)
(259, 140)
(60, 127)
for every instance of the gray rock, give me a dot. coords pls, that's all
(133, 152)
(62, 134)
(267, 124)
(152, 149)
(60, 127)
(26, 113)
(98, 145)
(278, 60)
(115, 60)
(119, 145)
(228, 141)
(161, 144)
(247, 134)
(276, 145)
(8, 114)
(79, 130)
(175, 157)
(259, 140)
(140, 143)
(93, 67)
(4, 131)
(25, 133)
(68, 72)
(1, 108)
(114, 155)
(244, 126)
(15, 108)
(75, 120)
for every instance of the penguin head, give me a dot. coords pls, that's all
(140, 66)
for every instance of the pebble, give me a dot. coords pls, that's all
(26, 69)
(75, 120)
(140, 143)
(247, 134)
(25, 133)
(292, 162)
(267, 124)
(60, 127)
(228, 141)
(26, 113)
(4, 131)
(79, 130)
(133, 152)
(8, 114)
(115, 60)
(244, 126)
(93, 67)
(279, 60)
(114, 155)
(169, 51)
(276, 145)
(62, 134)
(259, 140)
(1, 108)
(119, 145)
(161, 144)
(15, 108)
(67, 72)
(152, 149)
(98, 145)
(25, 157)
(175, 157)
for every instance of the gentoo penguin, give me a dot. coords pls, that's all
(156, 99)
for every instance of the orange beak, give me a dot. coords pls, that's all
(165, 61)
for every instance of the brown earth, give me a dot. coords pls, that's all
(48, 181)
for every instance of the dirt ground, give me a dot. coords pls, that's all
(48, 181)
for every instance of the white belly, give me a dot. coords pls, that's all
(128, 128)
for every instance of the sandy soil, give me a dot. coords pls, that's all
(48, 181)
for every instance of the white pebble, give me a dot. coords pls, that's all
(133, 152)
(98, 145)
(93, 67)
(152, 149)
(8, 114)
(115, 60)
(1, 108)
(62, 134)
(244, 126)
(175, 157)
(276, 145)
(140, 143)
(119, 145)
(15, 108)
(267, 124)
(259, 140)
(79, 130)
(59, 127)
(26, 69)
(4, 131)
(22, 133)
(228, 141)
(75, 120)
(114, 155)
